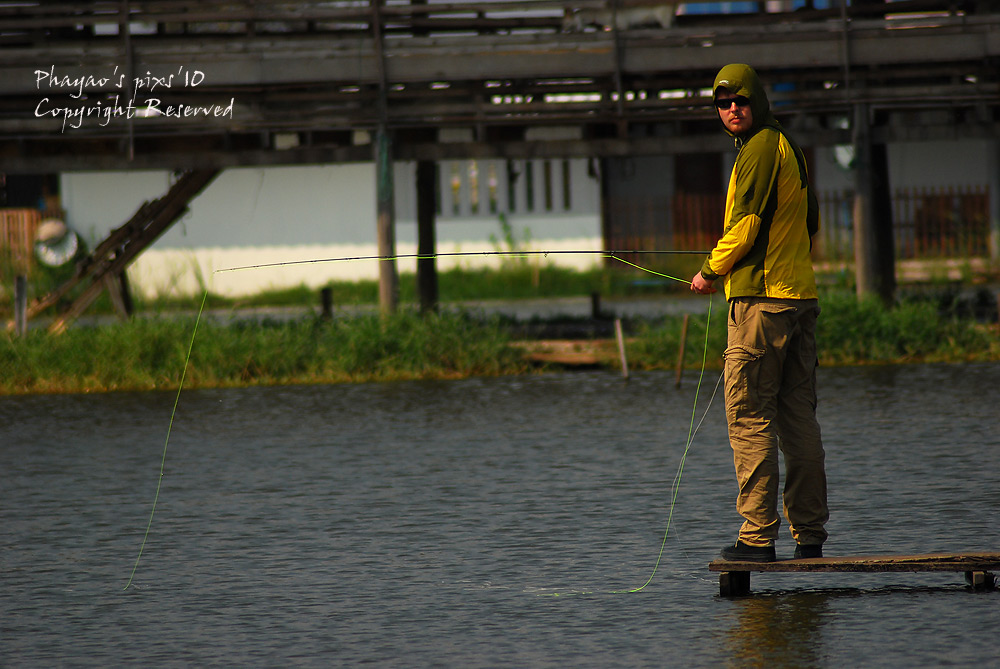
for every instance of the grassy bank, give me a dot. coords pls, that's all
(849, 332)
(151, 353)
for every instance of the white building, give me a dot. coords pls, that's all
(303, 215)
(273, 215)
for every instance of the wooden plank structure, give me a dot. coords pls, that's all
(734, 577)
(570, 352)
(305, 78)
(104, 268)
(211, 84)
(17, 238)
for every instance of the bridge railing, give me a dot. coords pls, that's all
(66, 19)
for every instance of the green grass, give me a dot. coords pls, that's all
(852, 331)
(849, 332)
(150, 352)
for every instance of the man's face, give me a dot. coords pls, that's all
(734, 111)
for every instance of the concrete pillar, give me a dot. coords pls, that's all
(874, 254)
(993, 174)
(427, 285)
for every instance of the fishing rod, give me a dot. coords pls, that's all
(612, 255)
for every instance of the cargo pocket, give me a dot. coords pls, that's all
(742, 376)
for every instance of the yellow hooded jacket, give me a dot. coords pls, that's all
(771, 211)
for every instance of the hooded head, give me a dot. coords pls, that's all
(741, 80)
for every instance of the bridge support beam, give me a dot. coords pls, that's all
(388, 280)
(874, 255)
(994, 195)
(427, 284)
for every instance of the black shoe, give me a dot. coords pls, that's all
(807, 551)
(742, 552)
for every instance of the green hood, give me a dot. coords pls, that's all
(740, 79)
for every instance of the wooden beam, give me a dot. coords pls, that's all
(308, 82)
(112, 256)
(385, 225)
(734, 579)
(427, 283)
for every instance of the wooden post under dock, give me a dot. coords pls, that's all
(734, 577)
(620, 338)
(21, 305)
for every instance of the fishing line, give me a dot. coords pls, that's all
(612, 255)
(170, 425)
(692, 431)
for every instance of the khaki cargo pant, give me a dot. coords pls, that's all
(770, 371)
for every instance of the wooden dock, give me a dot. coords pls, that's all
(734, 577)
(571, 353)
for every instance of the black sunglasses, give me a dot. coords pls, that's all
(727, 103)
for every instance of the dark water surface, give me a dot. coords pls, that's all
(482, 522)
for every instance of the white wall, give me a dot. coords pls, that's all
(298, 214)
(939, 163)
(301, 214)
(914, 165)
(243, 206)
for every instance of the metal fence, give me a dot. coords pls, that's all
(942, 223)
(945, 222)
(686, 222)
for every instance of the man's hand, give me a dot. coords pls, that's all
(701, 285)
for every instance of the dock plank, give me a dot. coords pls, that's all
(734, 576)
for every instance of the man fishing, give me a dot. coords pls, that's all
(770, 359)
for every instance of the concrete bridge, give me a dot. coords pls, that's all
(202, 85)
(183, 83)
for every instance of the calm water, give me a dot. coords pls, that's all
(483, 522)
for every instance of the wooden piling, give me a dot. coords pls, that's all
(621, 347)
(326, 302)
(385, 228)
(21, 305)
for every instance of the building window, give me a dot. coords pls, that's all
(473, 173)
(480, 187)
(511, 186)
(529, 185)
(493, 184)
(547, 183)
(567, 192)
(456, 189)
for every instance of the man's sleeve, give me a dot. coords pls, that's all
(756, 169)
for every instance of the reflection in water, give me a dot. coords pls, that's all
(782, 630)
